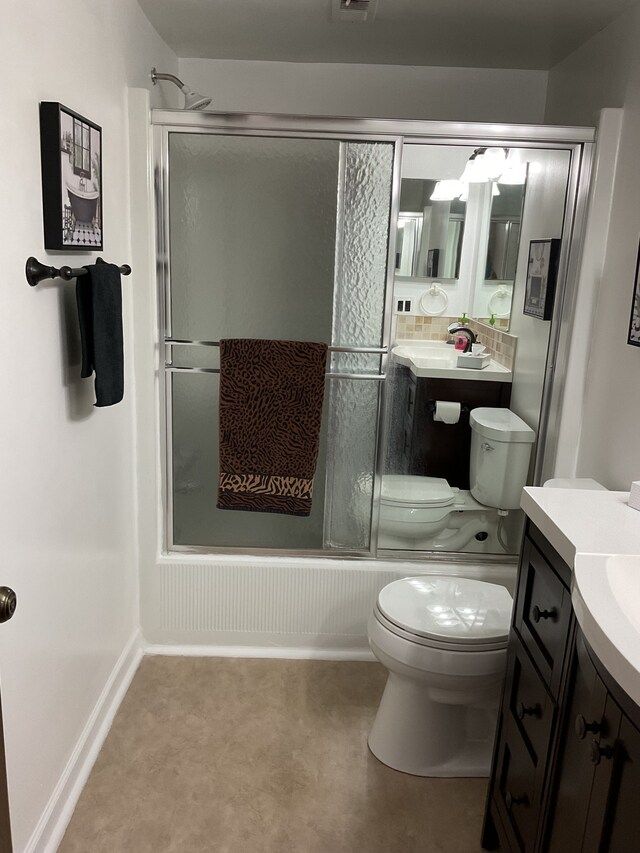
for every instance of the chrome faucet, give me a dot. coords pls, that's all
(457, 329)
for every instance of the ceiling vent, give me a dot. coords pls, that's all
(353, 11)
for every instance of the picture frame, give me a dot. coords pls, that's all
(433, 262)
(71, 162)
(634, 323)
(542, 275)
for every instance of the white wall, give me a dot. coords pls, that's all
(609, 444)
(372, 91)
(68, 515)
(542, 219)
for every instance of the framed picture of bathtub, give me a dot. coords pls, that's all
(634, 322)
(71, 157)
(542, 272)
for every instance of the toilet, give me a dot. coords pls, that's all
(443, 640)
(427, 514)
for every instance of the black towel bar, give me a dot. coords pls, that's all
(37, 272)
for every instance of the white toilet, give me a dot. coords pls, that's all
(443, 640)
(427, 514)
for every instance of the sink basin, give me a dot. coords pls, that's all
(623, 575)
(606, 599)
(439, 360)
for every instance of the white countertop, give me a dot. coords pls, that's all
(577, 521)
(418, 356)
(598, 535)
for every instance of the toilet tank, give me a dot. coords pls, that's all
(501, 444)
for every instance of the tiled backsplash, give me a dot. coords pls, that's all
(501, 344)
(420, 328)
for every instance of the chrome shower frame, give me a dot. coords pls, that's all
(578, 141)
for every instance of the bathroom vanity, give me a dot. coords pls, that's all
(566, 765)
(417, 443)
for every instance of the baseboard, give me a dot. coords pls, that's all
(52, 825)
(278, 652)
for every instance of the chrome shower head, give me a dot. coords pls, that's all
(192, 100)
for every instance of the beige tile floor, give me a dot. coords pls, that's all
(261, 756)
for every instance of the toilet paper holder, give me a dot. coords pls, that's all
(431, 407)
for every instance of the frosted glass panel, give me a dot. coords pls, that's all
(253, 228)
(361, 270)
(277, 238)
(353, 426)
(196, 521)
(362, 240)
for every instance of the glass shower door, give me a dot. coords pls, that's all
(272, 237)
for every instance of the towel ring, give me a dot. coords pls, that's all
(434, 301)
(500, 302)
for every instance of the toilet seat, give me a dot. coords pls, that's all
(408, 490)
(446, 612)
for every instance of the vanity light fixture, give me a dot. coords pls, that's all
(515, 171)
(447, 190)
(485, 164)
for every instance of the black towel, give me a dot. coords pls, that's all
(99, 298)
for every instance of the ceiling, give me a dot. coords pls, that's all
(467, 33)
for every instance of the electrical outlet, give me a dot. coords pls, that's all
(403, 306)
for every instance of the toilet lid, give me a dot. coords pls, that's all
(455, 610)
(405, 489)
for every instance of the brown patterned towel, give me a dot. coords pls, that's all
(271, 395)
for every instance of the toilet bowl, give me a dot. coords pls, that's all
(427, 514)
(443, 640)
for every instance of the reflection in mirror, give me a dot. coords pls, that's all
(431, 222)
(430, 231)
(494, 295)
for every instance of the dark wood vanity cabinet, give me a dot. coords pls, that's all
(566, 766)
(418, 444)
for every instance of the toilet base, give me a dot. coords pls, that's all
(413, 734)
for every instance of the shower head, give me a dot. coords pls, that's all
(192, 100)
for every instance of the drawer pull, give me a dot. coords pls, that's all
(537, 614)
(581, 727)
(510, 800)
(528, 711)
(598, 752)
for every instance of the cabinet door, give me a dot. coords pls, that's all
(614, 816)
(584, 721)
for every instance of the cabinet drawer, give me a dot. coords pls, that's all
(532, 709)
(543, 615)
(515, 794)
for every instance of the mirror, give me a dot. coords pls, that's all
(429, 239)
(493, 295)
(430, 230)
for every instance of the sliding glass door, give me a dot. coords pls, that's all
(286, 238)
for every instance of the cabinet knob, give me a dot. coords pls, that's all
(537, 614)
(511, 800)
(581, 727)
(598, 752)
(528, 711)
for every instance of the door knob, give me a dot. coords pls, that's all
(8, 603)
